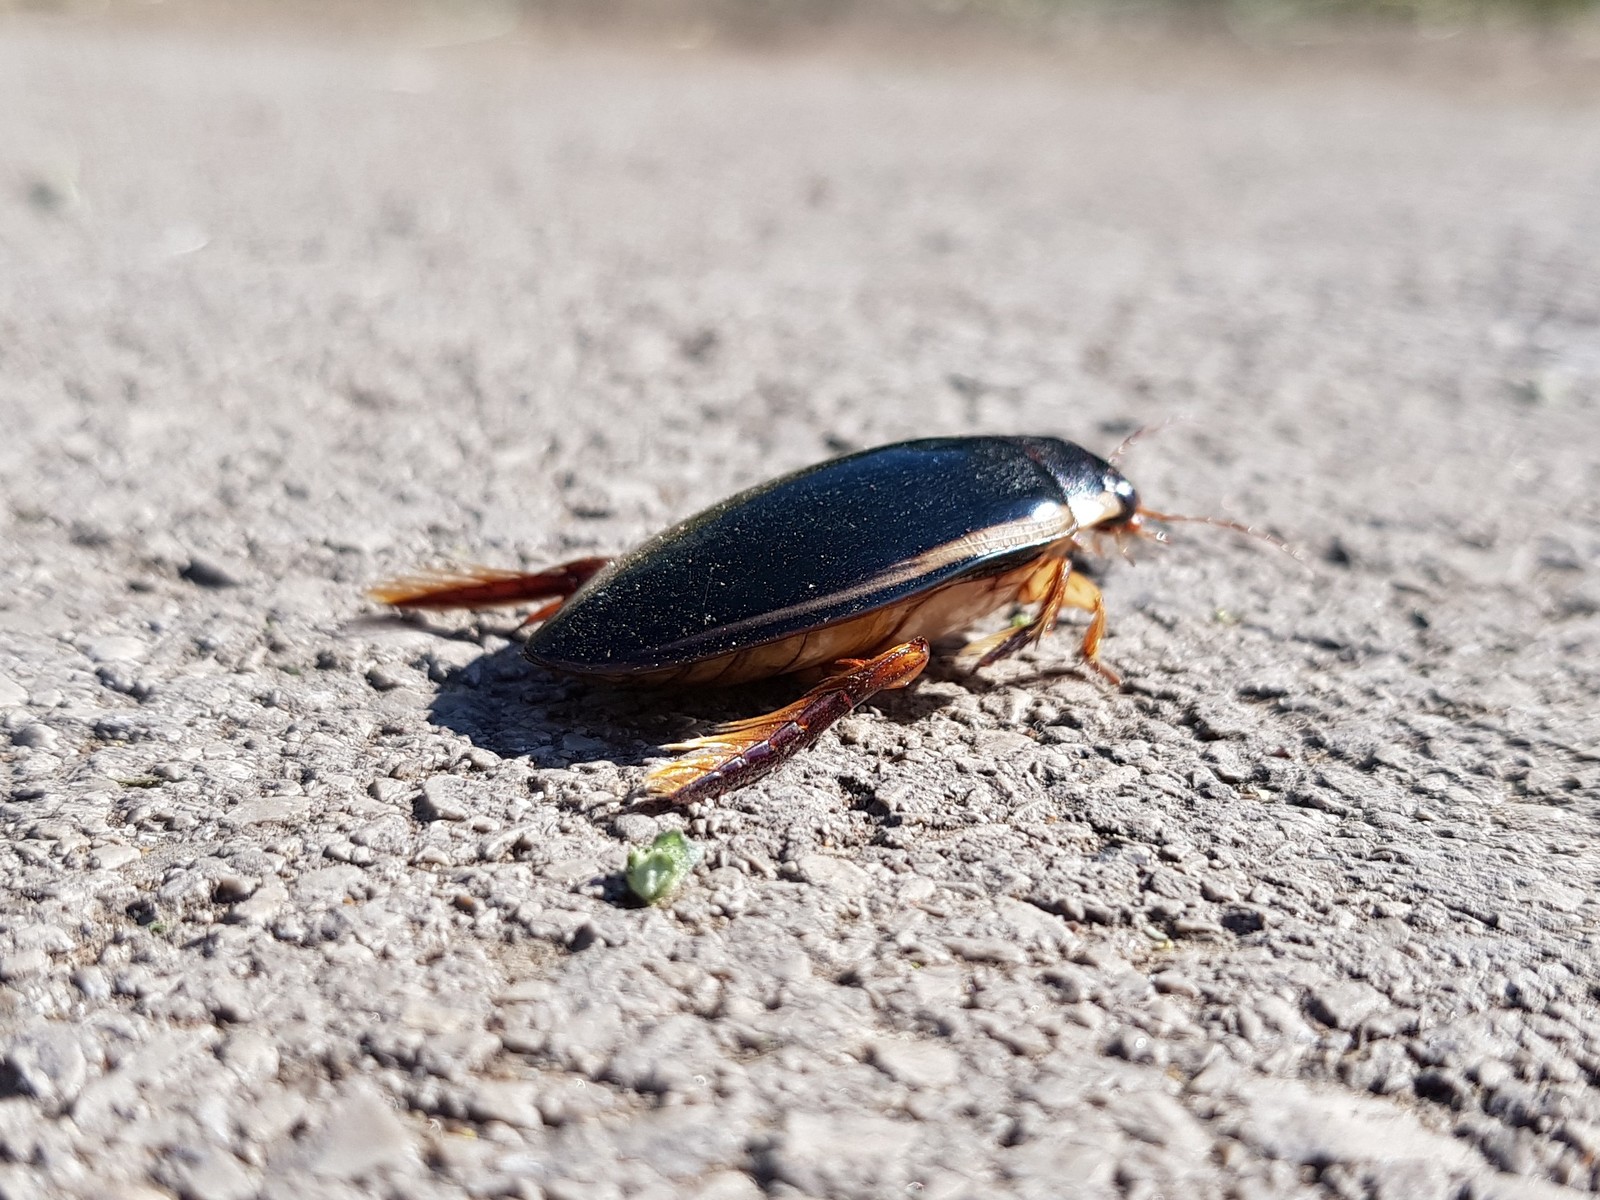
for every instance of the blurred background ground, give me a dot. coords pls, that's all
(301, 903)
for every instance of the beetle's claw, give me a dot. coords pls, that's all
(1105, 673)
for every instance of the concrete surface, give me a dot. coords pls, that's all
(300, 903)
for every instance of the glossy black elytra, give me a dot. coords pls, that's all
(849, 567)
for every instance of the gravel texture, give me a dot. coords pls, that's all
(304, 902)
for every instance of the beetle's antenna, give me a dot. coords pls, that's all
(1142, 432)
(1223, 523)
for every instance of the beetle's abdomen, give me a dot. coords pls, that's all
(931, 615)
(811, 551)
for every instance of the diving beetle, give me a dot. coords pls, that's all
(850, 568)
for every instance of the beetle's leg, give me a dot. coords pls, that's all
(487, 587)
(1079, 592)
(743, 751)
(1047, 585)
(1067, 588)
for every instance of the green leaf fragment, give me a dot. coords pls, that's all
(655, 873)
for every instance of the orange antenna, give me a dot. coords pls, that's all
(1142, 432)
(1223, 523)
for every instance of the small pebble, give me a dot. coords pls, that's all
(918, 1064)
(986, 950)
(116, 650)
(23, 964)
(516, 1102)
(1173, 984)
(385, 679)
(442, 800)
(209, 573)
(109, 858)
(35, 737)
(230, 888)
(12, 694)
(92, 983)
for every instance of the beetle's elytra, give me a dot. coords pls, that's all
(849, 567)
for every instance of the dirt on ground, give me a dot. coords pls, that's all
(303, 901)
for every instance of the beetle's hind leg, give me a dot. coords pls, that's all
(741, 752)
(487, 587)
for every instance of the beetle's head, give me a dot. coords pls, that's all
(1092, 489)
(1105, 504)
(1124, 519)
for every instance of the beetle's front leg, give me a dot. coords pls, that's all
(1077, 591)
(743, 751)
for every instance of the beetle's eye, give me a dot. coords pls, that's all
(1123, 491)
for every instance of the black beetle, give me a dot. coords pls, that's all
(849, 567)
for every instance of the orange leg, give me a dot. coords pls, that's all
(1060, 586)
(487, 587)
(743, 751)
(1078, 592)
(1049, 585)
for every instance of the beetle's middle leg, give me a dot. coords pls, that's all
(488, 587)
(743, 751)
(1048, 586)
(1060, 587)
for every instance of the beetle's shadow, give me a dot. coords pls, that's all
(503, 703)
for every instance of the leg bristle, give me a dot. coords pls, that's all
(741, 752)
(484, 587)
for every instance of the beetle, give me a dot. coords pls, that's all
(848, 568)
